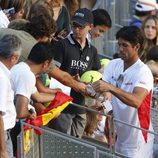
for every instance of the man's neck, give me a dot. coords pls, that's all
(81, 41)
(33, 67)
(129, 63)
(6, 63)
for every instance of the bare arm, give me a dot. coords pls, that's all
(133, 99)
(42, 97)
(22, 106)
(44, 89)
(3, 148)
(22, 103)
(66, 79)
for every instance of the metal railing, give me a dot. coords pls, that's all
(54, 144)
(59, 145)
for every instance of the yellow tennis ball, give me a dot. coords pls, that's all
(90, 76)
(104, 62)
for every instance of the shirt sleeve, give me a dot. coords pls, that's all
(144, 80)
(96, 63)
(59, 53)
(24, 85)
(107, 75)
(3, 94)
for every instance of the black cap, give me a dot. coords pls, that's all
(83, 16)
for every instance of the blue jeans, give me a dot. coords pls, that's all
(9, 143)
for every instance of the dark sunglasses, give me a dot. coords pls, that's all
(75, 25)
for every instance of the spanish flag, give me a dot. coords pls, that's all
(60, 102)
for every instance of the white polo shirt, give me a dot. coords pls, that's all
(6, 98)
(138, 75)
(23, 80)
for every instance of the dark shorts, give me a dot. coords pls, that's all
(72, 124)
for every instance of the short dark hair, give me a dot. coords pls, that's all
(40, 7)
(132, 34)
(18, 24)
(42, 25)
(41, 52)
(101, 17)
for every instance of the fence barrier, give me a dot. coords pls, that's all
(54, 144)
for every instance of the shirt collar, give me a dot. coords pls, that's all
(71, 40)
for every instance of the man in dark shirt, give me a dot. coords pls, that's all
(76, 55)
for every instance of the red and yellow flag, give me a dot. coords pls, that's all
(60, 102)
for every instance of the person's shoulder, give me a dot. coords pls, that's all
(91, 46)
(21, 34)
(22, 70)
(116, 61)
(5, 31)
(64, 9)
(26, 36)
(135, 21)
(20, 67)
(143, 68)
(60, 42)
(69, 39)
(27, 40)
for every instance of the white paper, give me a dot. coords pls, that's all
(108, 106)
(56, 84)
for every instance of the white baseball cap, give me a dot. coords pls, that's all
(146, 5)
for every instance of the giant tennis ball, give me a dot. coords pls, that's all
(90, 76)
(104, 62)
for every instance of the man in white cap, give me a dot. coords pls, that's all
(143, 8)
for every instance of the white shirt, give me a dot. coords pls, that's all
(23, 80)
(6, 98)
(138, 75)
(4, 22)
